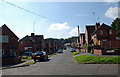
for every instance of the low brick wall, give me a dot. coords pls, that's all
(104, 52)
(82, 50)
(98, 52)
(77, 50)
(9, 61)
(117, 52)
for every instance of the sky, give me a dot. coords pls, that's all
(55, 19)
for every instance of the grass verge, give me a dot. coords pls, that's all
(25, 58)
(52, 54)
(31, 62)
(86, 59)
(75, 53)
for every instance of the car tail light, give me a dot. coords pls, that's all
(33, 56)
(42, 55)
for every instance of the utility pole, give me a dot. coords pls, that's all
(94, 16)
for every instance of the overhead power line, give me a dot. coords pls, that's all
(30, 11)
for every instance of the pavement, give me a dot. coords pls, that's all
(63, 64)
(16, 65)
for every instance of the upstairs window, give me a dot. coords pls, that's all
(2, 52)
(4, 39)
(21, 43)
(101, 32)
(110, 31)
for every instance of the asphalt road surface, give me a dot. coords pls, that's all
(63, 64)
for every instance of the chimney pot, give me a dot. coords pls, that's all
(97, 25)
(32, 34)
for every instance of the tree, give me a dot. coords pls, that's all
(62, 39)
(116, 25)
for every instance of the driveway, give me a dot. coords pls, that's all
(63, 64)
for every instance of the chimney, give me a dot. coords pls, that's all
(97, 25)
(32, 34)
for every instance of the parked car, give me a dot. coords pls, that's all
(40, 55)
(72, 50)
(60, 51)
(65, 48)
(28, 53)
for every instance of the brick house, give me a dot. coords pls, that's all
(88, 33)
(60, 44)
(74, 42)
(103, 33)
(52, 45)
(47, 45)
(8, 40)
(104, 37)
(8, 46)
(82, 39)
(31, 43)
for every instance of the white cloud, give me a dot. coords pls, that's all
(59, 35)
(21, 34)
(59, 26)
(74, 32)
(112, 12)
(110, 0)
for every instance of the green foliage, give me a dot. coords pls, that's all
(95, 44)
(116, 25)
(24, 58)
(75, 53)
(31, 62)
(69, 40)
(87, 46)
(86, 59)
(52, 54)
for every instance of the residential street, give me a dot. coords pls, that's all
(63, 64)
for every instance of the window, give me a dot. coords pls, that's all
(101, 32)
(21, 43)
(2, 52)
(86, 35)
(3, 39)
(110, 31)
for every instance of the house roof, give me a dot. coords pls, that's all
(35, 39)
(5, 26)
(90, 28)
(103, 26)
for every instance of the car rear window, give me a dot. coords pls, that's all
(38, 53)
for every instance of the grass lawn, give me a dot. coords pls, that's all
(75, 53)
(52, 54)
(86, 59)
(31, 62)
(25, 58)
